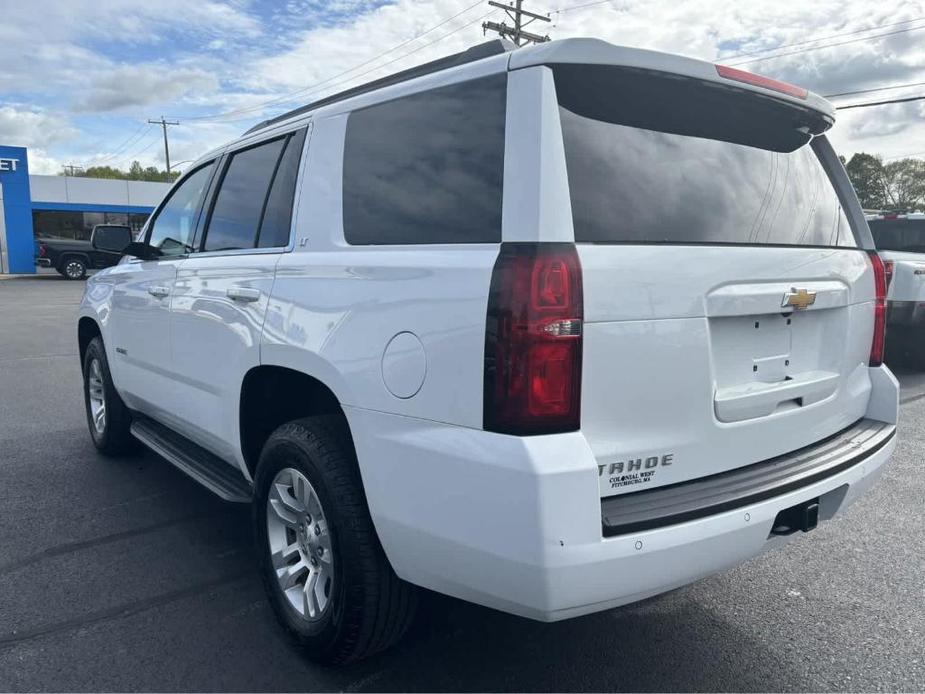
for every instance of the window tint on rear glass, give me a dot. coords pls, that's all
(906, 235)
(239, 203)
(634, 185)
(427, 168)
(277, 219)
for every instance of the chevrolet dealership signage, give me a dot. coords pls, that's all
(17, 247)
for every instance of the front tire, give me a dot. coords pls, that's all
(108, 419)
(325, 572)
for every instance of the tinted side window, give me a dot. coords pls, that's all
(172, 230)
(427, 168)
(238, 205)
(277, 219)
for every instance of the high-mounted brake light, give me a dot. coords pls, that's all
(731, 73)
(876, 347)
(533, 340)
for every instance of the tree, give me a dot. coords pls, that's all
(904, 183)
(135, 173)
(866, 174)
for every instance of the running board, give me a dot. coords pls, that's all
(209, 470)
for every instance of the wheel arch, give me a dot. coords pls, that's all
(87, 329)
(272, 395)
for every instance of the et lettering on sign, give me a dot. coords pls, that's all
(8, 164)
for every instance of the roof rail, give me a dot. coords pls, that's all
(482, 50)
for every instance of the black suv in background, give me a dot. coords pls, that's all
(72, 258)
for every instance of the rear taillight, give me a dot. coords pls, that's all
(533, 340)
(42, 250)
(731, 73)
(876, 347)
(888, 272)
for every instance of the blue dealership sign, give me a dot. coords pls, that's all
(17, 208)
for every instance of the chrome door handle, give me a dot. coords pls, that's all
(158, 291)
(243, 293)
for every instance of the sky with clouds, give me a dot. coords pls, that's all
(79, 78)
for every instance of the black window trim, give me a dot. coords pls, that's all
(152, 219)
(212, 196)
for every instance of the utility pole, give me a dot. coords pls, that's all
(164, 123)
(516, 33)
(72, 169)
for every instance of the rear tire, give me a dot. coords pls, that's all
(310, 508)
(73, 268)
(108, 419)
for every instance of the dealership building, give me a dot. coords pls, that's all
(67, 207)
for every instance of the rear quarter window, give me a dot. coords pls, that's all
(427, 168)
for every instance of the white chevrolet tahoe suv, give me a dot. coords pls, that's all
(550, 330)
(900, 241)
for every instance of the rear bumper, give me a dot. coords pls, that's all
(707, 496)
(516, 523)
(43, 262)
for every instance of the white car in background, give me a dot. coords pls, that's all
(550, 330)
(900, 241)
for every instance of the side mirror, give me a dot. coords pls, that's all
(141, 250)
(111, 239)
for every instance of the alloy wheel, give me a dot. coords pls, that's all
(97, 396)
(300, 544)
(73, 269)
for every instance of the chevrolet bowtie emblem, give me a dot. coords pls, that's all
(798, 299)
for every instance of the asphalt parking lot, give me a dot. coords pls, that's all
(125, 575)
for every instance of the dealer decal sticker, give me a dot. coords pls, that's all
(633, 471)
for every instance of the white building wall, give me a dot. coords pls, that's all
(145, 193)
(96, 191)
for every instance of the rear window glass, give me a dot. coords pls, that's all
(906, 235)
(427, 168)
(682, 182)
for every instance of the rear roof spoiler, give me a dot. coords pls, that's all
(597, 52)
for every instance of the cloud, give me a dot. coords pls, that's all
(109, 65)
(41, 163)
(885, 120)
(130, 86)
(22, 125)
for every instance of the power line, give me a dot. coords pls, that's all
(143, 149)
(828, 45)
(905, 156)
(881, 103)
(315, 88)
(822, 38)
(875, 89)
(288, 97)
(136, 136)
(582, 6)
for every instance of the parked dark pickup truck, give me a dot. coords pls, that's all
(73, 258)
